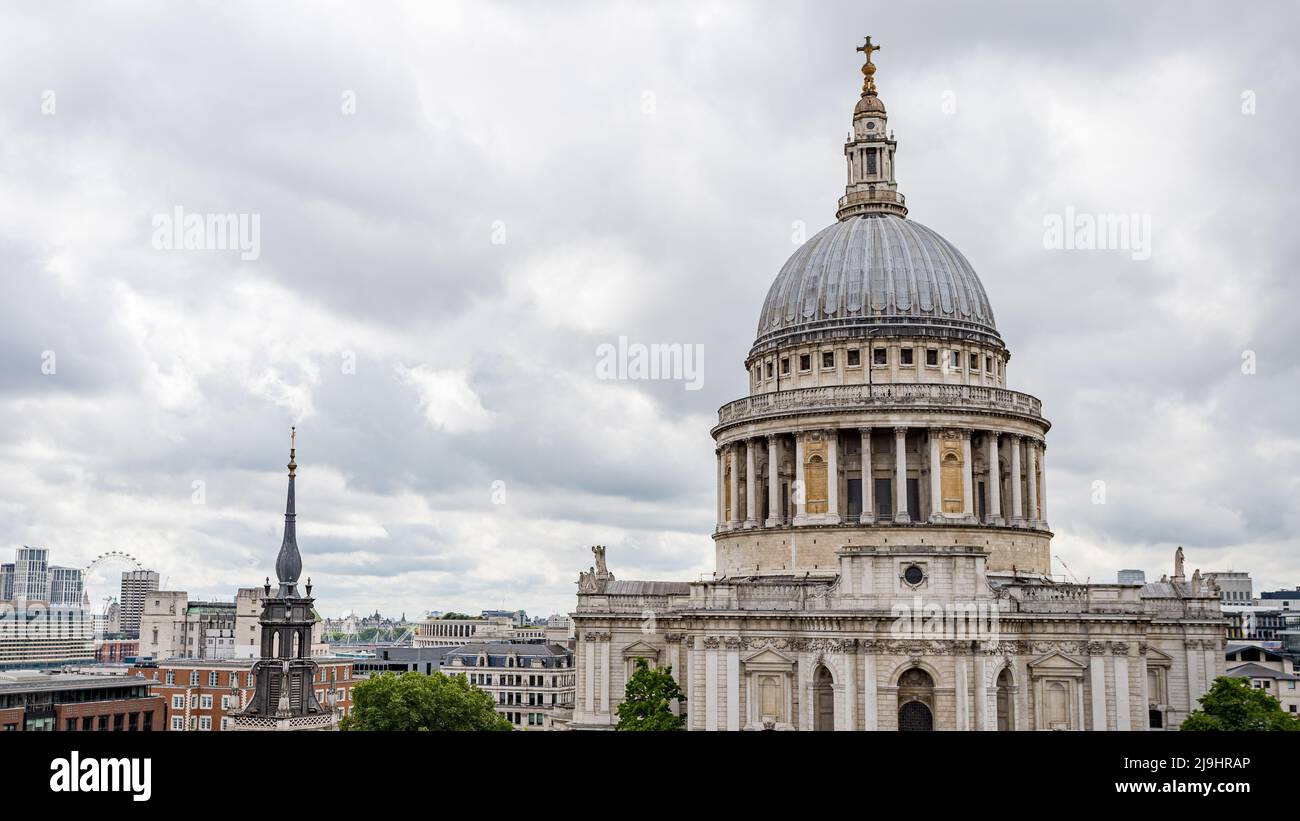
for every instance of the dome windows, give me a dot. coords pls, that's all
(903, 359)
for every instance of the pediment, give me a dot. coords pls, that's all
(1056, 661)
(1158, 658)
(641, 649)
(768, 657)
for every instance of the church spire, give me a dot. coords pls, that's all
(288, 565)
(871, 189)
(284, 697)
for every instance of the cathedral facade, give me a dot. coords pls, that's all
(882, 544)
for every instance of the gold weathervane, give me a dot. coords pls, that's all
(868, 69)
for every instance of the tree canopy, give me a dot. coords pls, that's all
(413, 701)
(648, 699)
(1233, 704)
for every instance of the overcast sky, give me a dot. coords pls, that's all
(458, 203)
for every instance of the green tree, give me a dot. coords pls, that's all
(648, 698)
(1232, 704)
(413, 701)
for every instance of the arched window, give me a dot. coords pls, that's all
(915, 701)
(1006, 705)
(815, 483)
(823, 700)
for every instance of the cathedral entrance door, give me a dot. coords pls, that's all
(915, 717)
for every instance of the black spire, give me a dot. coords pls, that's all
(288, 565)
(283, 696)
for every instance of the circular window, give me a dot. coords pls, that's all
(913, 575)
(871, 126)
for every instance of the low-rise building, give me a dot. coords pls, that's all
(1235, 655)
(1235, 587)
(1249, 622)
(444, 632)
(205, 694)
(426, 660)
(533, 684)
(1279, 685)
(116, 651)
(46, 700)
(559, 630)
(1288, 600)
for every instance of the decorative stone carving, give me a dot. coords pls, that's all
(597, 577)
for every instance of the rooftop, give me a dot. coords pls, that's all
(225, 664)
(26, 681)
(1281, 594)
(1252, 670)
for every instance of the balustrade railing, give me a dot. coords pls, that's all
(837, 397)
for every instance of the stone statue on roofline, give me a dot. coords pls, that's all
(596, 577)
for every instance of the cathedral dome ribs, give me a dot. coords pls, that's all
(876, 276)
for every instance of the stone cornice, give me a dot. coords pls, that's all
(841, 399)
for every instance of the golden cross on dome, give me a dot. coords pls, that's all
(866, 48)
(868, 68)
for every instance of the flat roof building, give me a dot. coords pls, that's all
(43, 701)
(426, 660)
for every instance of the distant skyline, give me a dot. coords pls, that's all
(458, 204)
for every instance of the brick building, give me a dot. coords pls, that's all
(44, 701)
(115, 651)
(205, 694)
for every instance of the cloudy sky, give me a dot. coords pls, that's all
(457, 204)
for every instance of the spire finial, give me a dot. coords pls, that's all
(293, 437)
(868, 68)
(288, 565)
